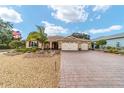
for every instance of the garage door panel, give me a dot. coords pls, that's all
(84, 46)
(69, 46)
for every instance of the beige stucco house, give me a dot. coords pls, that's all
(62, 43)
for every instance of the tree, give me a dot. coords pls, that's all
(39, 35)
(81, 35)
(5, 32)
(16, 44)
(101, 43)
(33, 36)
(43, 35)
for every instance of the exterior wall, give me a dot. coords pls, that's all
(89, 45)
(113, 42)
(59, 45)
(50, 45)
(27, 44)
(39, 45)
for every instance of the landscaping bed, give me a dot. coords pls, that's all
(18, 71)
(114, 50)
(32, 52)
(42, 53)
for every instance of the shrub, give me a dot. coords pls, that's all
(108, 47)
(34, 49)
(24, 50)
(115, 50)
(111, 50)
(4, 46)
(21, 50)
(121, 52)
(16, 44)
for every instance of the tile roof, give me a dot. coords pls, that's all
(55, 38)
(71, 38)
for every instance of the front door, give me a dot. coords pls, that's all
(55, 45)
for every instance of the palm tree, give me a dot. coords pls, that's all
(33, 36)
(42, 35)
(38, 35)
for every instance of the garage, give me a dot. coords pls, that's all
(74, 44)
(84, 46)
(69, 46)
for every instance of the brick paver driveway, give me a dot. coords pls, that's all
(91, 69)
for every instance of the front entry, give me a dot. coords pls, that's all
(55, 45)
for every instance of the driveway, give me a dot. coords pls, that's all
(91, 69)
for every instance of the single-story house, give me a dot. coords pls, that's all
(116, 40)
(63, 43)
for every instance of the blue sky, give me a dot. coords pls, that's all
(64, 20)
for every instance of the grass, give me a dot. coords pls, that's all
(17, 71)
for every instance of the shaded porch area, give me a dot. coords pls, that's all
(51, 45)
(54, 45)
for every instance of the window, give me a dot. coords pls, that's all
(33, 44)
(118, 44)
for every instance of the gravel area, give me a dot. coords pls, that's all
(17, 71)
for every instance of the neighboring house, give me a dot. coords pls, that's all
(60, 42)
(116, 40)
(16, 34)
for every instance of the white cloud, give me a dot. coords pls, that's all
(70, 13)
(83, 32)
(15, 29)
(52, 29)
(9, 14)
(98, 17)
(101, 8)
(103, 30)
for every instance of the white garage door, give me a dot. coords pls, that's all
(84, 46)
(69, 46)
